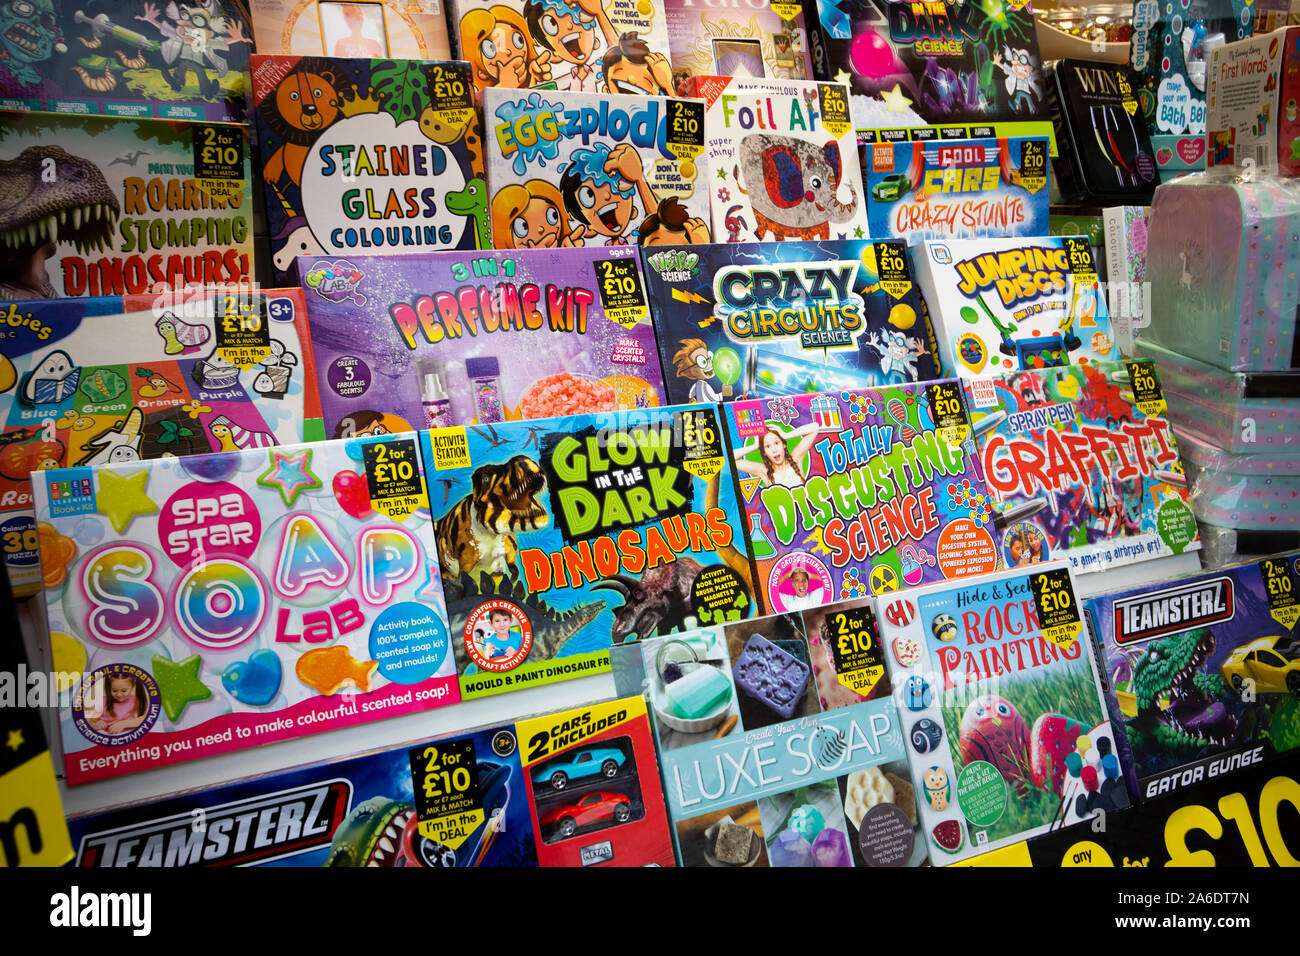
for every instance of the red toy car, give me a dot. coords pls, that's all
(591, 808)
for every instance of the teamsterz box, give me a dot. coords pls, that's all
(1006, 304)
(127, 206)
(386, 158)
(477, 338)
(617, 170)
(1204, 671)
(772, 319)
(488, 797)
(757, 770)
(113, 378)
(996, 684)
(944, 189)
(560, 537)
(218, 602)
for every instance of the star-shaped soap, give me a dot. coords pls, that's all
(178, 684)
(895, 101)
(289, 474)
(121, 497)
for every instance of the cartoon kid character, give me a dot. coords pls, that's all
(630, 67)
(532, 216)
(600, 187)
(495, 42)
(1021, 78)
(568, 31)
(672, 225)
(694, 361)
(362, 423)
(197, 36)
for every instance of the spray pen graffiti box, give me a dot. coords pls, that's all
(368, 156)
(123, 379)
(858, 492)
(165, 205)
(756, 771)
(1008, 732)
(219, 602)
(560, 537)
(1003, 304)
(1204, 671)
(750, 320)
(616, 169)
(443, 339)
(757, 38)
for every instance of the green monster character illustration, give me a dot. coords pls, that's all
(472, 201)
(1197, 715)
(28, 35)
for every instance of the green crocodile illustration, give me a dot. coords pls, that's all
(472, 201)
(371, 835)
(1196, 716)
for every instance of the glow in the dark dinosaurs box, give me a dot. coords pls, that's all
(1204, 671)
(218, 602)
(560, 537)
(115, 378)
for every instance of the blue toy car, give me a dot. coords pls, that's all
(605, 761)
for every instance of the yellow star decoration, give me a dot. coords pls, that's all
(895, 101)
(843, 77)
(15, 740)
(122, 497)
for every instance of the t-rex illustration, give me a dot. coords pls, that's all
(1197, 716)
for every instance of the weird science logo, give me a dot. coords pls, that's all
(932, 27)
(1018, 275)
(532, 129)
(814, 301)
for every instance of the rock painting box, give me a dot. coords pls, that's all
(140, 377)
(567, 329)
(561, 537)
(784, 318)
(219, 602)
(744, 38)
(387, 159)
(161, 204)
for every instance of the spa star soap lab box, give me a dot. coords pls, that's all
(124, 378)
(561, 537)
(757, 770)
(224, 601)
(505, 335)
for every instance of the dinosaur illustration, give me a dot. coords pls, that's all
(472, 201)
(48, 196)
(1197, 716)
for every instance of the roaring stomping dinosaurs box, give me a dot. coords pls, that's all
(616, 170)
(762, 38)
(160, 206)
(368, 157)
(583, 46)
(480, 798)
(757, 770)
(567, 330)
(116, 379)
(1081, 463)
(128, 58)
(859, 492)
(374, 28)
(1204, 671)
(1008, 734)
(218, 602)
(785, 159)
(750, 320)
(560, 537)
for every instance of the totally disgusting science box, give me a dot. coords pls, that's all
(358, 157)
(860, 492)
(785, 160)
(449, 802)
(162, 205)
(583, 46)
(1005, 304)
(405, 29)
(561, 537)
(119, 379)
(1081, 463)
(957, 189)
(592, 778)
(1204, 671)
(760, 38)
(127, 58)
(935, 64)
(773, 319)
(218, 602)
(757, 772)
(616, 170)
(471, 338)
(1008, 734)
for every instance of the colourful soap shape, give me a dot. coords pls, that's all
(771, 676)
(699, 693)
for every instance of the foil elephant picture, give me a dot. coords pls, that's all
(793, 186)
